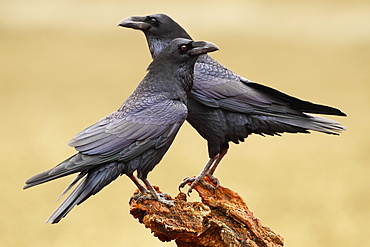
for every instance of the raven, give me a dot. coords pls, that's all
(137, 135)
(224, 106)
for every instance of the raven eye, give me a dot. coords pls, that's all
(153, 20)
(184, 47)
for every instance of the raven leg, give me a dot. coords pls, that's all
(143, 190)
(215, 164)
(159, 197)
(200, 177)
(212, 169)
(147, 193)
(137, 183)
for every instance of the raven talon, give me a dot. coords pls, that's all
(138, 195)
(142, 197)
(165, 201)
(214, 180)
(164, 195)
(185, 182)
(160, 197)
(194, 182)
(209, 186)
(199, 179)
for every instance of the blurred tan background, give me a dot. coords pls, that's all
(66, 64)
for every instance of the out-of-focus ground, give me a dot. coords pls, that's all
(66, 64)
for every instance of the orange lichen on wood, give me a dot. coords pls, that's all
(221, 219)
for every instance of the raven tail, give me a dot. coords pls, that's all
(92, 182)
(315, 123)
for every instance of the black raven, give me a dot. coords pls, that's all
(224, 106)
(137, 135)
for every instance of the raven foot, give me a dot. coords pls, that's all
(148, 195)
(199, 179)
(163, 198)
(214, 180)
(139, 195)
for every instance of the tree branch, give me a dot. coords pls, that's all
(222, 219)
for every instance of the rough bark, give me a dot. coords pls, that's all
(221, 219)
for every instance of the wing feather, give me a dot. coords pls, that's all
(121, 130)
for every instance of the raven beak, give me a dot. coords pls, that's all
(135, 22)
(202, 47)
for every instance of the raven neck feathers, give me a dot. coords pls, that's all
(156, 45)
(176, 79)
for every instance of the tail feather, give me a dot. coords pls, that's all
(76, 163)
(70, 186)
(295, 103)
(91, 183)
(315, 123)
(61, 170)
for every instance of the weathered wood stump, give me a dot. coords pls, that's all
(221, 219)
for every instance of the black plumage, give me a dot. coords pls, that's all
(224, 106)
(137, 135)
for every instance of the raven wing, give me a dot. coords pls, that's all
(119, 136)
(130, 133)
(218, 87)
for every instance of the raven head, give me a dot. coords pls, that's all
(160, 26)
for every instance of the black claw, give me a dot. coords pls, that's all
(138, 195)
(142, 196)
(197, 180)
(185, 182)
(162, 197)
(189, 191)
(214, 180)
(210, 187)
